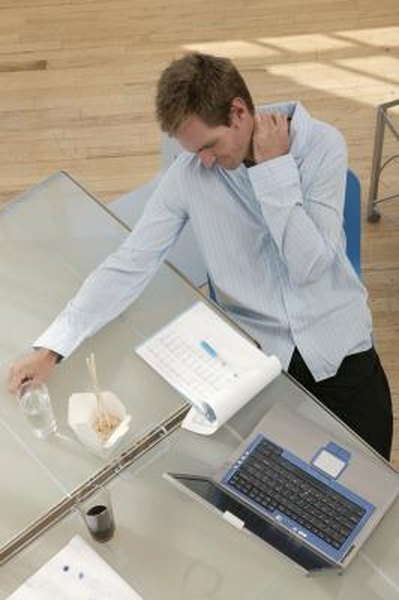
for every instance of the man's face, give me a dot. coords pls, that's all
(221, 145)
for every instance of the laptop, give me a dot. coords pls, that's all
(313, 497)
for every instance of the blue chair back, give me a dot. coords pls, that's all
(352, 219)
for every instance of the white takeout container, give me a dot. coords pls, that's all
(82, 415)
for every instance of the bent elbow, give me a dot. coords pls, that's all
(310, 271)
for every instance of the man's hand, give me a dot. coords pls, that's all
(37, 366)
(270, 138)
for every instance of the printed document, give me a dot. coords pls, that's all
(77, 572)
(216, 368)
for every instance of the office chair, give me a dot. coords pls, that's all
(352, 225)
(352, 219)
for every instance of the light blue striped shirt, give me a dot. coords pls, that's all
(273, 242)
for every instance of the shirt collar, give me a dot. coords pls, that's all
(300, 126)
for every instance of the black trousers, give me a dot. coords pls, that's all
(358, 394)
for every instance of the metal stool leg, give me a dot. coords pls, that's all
(373, 214)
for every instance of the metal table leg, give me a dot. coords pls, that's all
(373, 214)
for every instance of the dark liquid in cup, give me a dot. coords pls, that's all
(100, 523)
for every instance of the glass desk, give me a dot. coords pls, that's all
(51, 238)
(167, 546)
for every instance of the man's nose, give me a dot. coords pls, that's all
(206, 157)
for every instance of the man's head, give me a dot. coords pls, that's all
(204, 102)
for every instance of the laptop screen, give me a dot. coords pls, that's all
(256, 524)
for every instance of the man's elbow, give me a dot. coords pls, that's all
(309, 271)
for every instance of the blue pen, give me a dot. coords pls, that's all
(208, 349)
(214, 354)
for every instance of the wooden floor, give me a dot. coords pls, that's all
(77, 81)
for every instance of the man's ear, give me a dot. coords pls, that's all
(238, 108)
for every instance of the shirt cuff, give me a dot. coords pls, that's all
(59, 338)
(58, 357)
(273, 174)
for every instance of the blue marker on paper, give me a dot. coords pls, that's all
(208, 349)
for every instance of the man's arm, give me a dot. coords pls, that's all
(113, 286)
(305, 223)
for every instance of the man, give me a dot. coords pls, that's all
(264, 191)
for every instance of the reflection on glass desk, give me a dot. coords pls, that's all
(168, 546)
(52, 237)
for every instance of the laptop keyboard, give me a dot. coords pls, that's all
(273, 482)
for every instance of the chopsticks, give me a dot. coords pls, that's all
(103, 415)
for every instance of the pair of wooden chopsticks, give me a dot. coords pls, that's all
(103, 416)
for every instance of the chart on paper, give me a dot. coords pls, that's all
(210, 363)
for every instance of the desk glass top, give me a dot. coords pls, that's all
(168, 546)
(51, 238)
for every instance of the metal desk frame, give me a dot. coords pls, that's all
(382, 120)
